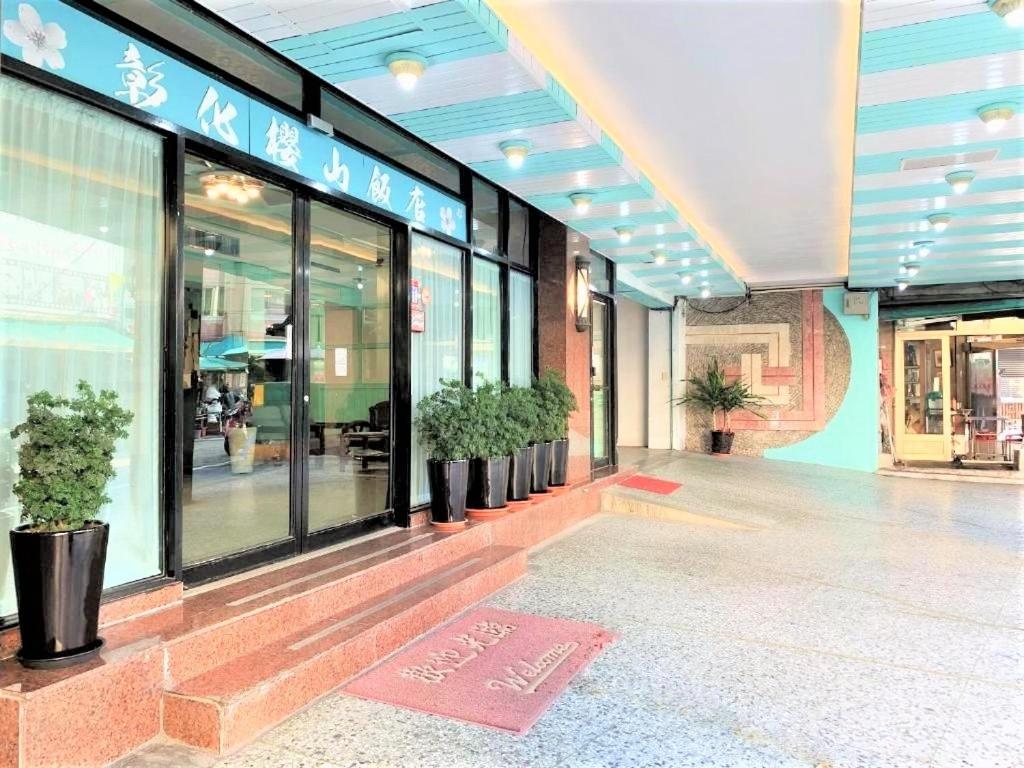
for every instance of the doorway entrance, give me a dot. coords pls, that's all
(923, 416)
(286, 373)
(602, 383)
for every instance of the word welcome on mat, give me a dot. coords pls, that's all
(490, 667)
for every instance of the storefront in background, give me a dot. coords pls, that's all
(269, 299)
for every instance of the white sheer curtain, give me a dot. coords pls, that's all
(436, 352)
(81, 249)
(486, 321)
(520, 332)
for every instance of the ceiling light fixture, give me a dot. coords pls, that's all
(359, 283)
(407, 67)
(939, 221)
(685, 279)
(515, 151)
(1011, 11)
(902, 283)
(625, 232)
(705, 292)
(911, 268)
(924, 247)
(960, 181)
(232, 186)
(995, 116)
(685, 262)
(104, 229)
(659, 257)
(581, 201)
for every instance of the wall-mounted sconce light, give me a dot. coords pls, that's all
(582, 292)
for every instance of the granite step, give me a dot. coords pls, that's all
(228, 705)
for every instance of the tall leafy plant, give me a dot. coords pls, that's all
(498, 434)
(445, 431)
(555, 401)
(67, 458)
(522, 416)
(713, 392)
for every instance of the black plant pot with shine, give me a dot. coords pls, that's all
(58, 578)
(448, 481)
(519, 470)
(721, 442)
(559, 461)
(488, 483)
(541, 474)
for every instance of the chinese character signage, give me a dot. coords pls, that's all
(74, 45)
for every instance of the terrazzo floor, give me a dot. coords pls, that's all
(848, 620)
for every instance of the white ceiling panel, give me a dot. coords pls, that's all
(1009, 220)
(943, 202)
(611, 176)
(939, 135)
(545, 138)
(994, 169)
(958, 76)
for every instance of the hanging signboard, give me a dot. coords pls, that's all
(74, 45)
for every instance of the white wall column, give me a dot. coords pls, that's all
(659, 380)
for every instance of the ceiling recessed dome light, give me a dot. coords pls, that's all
(515, 151)
(685, 262)
(705, 292)
(924, 247)
(685, 279)
(1011, 11)
(407, 67)
(902, 283)
(960, 181)
(995, 116)
(581, 201)
(659, 257)
(625, 232)
(911, 269)
(940, 221)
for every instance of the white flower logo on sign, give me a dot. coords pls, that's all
(418, 205)
(221, 119)
(39, 42)
(142, 83)
(283, 144)
(380, 188)
(337, 172)
(447, 221)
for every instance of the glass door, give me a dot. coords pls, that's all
(349, 337)
(923, 418)
(238, 364)
(601, 391)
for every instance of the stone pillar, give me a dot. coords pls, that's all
(560, 346)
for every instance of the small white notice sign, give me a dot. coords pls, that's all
(341, 361)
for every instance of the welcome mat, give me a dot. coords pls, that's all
(491, 667)
(651, 484)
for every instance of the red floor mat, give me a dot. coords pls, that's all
(652, 484)
(491, 667)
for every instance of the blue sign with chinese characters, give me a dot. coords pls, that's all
(58, 38)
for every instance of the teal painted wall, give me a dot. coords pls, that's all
(850, 439)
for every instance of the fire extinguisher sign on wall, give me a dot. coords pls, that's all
(417, 311)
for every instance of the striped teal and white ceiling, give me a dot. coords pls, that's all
(927, 66)
(483, 87)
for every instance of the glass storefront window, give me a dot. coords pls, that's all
(486, 321)
(518, 234)
(520, 332)
(436, 351)
(81, 256)
(350, 367)
(486, 217)
(238, 361)
(600, 273)
(922, 380)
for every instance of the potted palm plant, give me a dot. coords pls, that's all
(489, 462)
(556, 402)
(450, 439)
(60, 549)
(712, 392)
(522, 416)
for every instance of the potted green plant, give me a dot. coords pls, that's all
(556, 402)
(489, 462)
(522, 416)
(712, 392)
(60, 549)
(450, 439)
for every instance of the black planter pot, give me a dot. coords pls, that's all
(58, 578)
(541, 474)
(488, 483)
(721, 442)
(448, 481)
(519, 470)
(559, 461)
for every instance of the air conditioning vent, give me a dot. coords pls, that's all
(942, 161)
